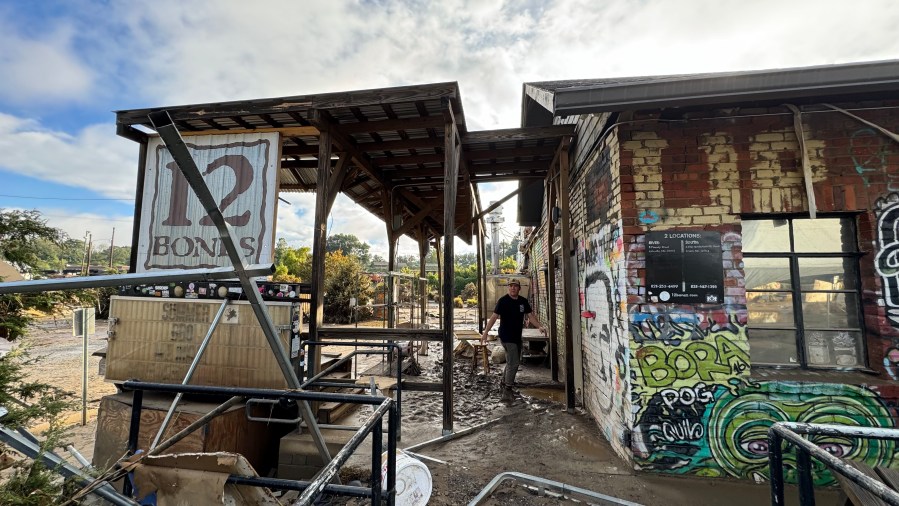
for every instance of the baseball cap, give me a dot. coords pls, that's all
(514, 282)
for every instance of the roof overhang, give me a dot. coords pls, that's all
(563, 98)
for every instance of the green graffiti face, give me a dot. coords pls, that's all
(738, 426)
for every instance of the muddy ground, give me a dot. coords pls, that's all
(533, 435)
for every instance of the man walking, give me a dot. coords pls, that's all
(511, 309)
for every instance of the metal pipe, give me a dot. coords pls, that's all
(806, 485)
(282, 484)
(393, 435)
(32, 449)
(581, 494)
(783, 429)
(137, 401)
(190, 373)
(376, 442)
(262, 393)
(330, 470)
(775, 468)
(390, 346)
(451, 436)
(140, 278)
(164, 125)
(79, 457)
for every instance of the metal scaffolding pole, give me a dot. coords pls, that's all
(164, 125)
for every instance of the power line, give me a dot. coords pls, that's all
(55, 198)
(71, 216)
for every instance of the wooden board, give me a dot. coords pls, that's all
(858, 495)
(228, 432)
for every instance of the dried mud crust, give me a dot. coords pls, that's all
(532, 435)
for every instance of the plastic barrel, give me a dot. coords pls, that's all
(413, 480)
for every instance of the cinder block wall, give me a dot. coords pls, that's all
(683, 398)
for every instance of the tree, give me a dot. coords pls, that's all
(344, 279)
(350, 245)
(20, 232)
(508, 265)
(20, 235)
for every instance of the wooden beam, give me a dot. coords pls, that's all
(305, 150)
(451, 167)
(566, 273)
(534, 176)
(391, 125)
(308, 163)
(319, 243)
(550, 198)
(384, 161)
(289, 131)
(492, 154)
(338, 176)
(509, 167)
(406, 144)
(383, 96)
(518, 134)
(494, 205)
(417, 218)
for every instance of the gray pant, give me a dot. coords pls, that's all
(513, 358)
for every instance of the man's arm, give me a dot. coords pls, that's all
(489, 326)
(535, 323)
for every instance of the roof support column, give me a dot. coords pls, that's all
(452, 148)
(423, 275)
(550, 199)
(565, 255)
(319, 245)
(393, 221)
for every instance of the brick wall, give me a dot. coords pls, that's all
(695, 409)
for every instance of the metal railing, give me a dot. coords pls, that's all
(792, 432)
(542, 485)
(392, 349)
(321, 482)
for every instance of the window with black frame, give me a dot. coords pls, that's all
(802, 292)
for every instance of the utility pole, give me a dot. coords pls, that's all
(84, 259)
(111, 246)
(90, 246)
(494, 219)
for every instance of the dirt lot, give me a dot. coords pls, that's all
(533, 435)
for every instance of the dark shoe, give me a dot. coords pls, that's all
(507, 395)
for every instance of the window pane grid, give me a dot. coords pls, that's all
(819, 282)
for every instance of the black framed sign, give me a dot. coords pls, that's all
(684, 267)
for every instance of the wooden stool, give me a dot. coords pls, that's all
(480, 351)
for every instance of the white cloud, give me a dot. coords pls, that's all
(170, 52)
(41, 66)
(94, 158)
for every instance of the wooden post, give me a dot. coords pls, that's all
(423, 274)
(319, 245)
(565, 254)
(138, 204)
(479, 244)
(553, 351)
(439, 252)
(450, 187)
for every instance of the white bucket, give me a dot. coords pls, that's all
(413, 480)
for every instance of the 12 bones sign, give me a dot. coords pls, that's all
(240, 171)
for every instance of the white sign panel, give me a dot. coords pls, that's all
(241, 173)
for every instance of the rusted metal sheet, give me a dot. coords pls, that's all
(241, 172)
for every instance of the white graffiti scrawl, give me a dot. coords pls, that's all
(887, 260)
(606, 350)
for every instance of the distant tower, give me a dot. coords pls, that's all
(494, 219)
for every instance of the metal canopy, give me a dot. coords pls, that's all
(394, 139)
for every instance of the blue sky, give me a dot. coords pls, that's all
(66, 65)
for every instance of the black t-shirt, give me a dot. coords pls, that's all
(511, 317)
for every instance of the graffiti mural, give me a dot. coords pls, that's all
(886, 262)
(721, 430)
(606, 351)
